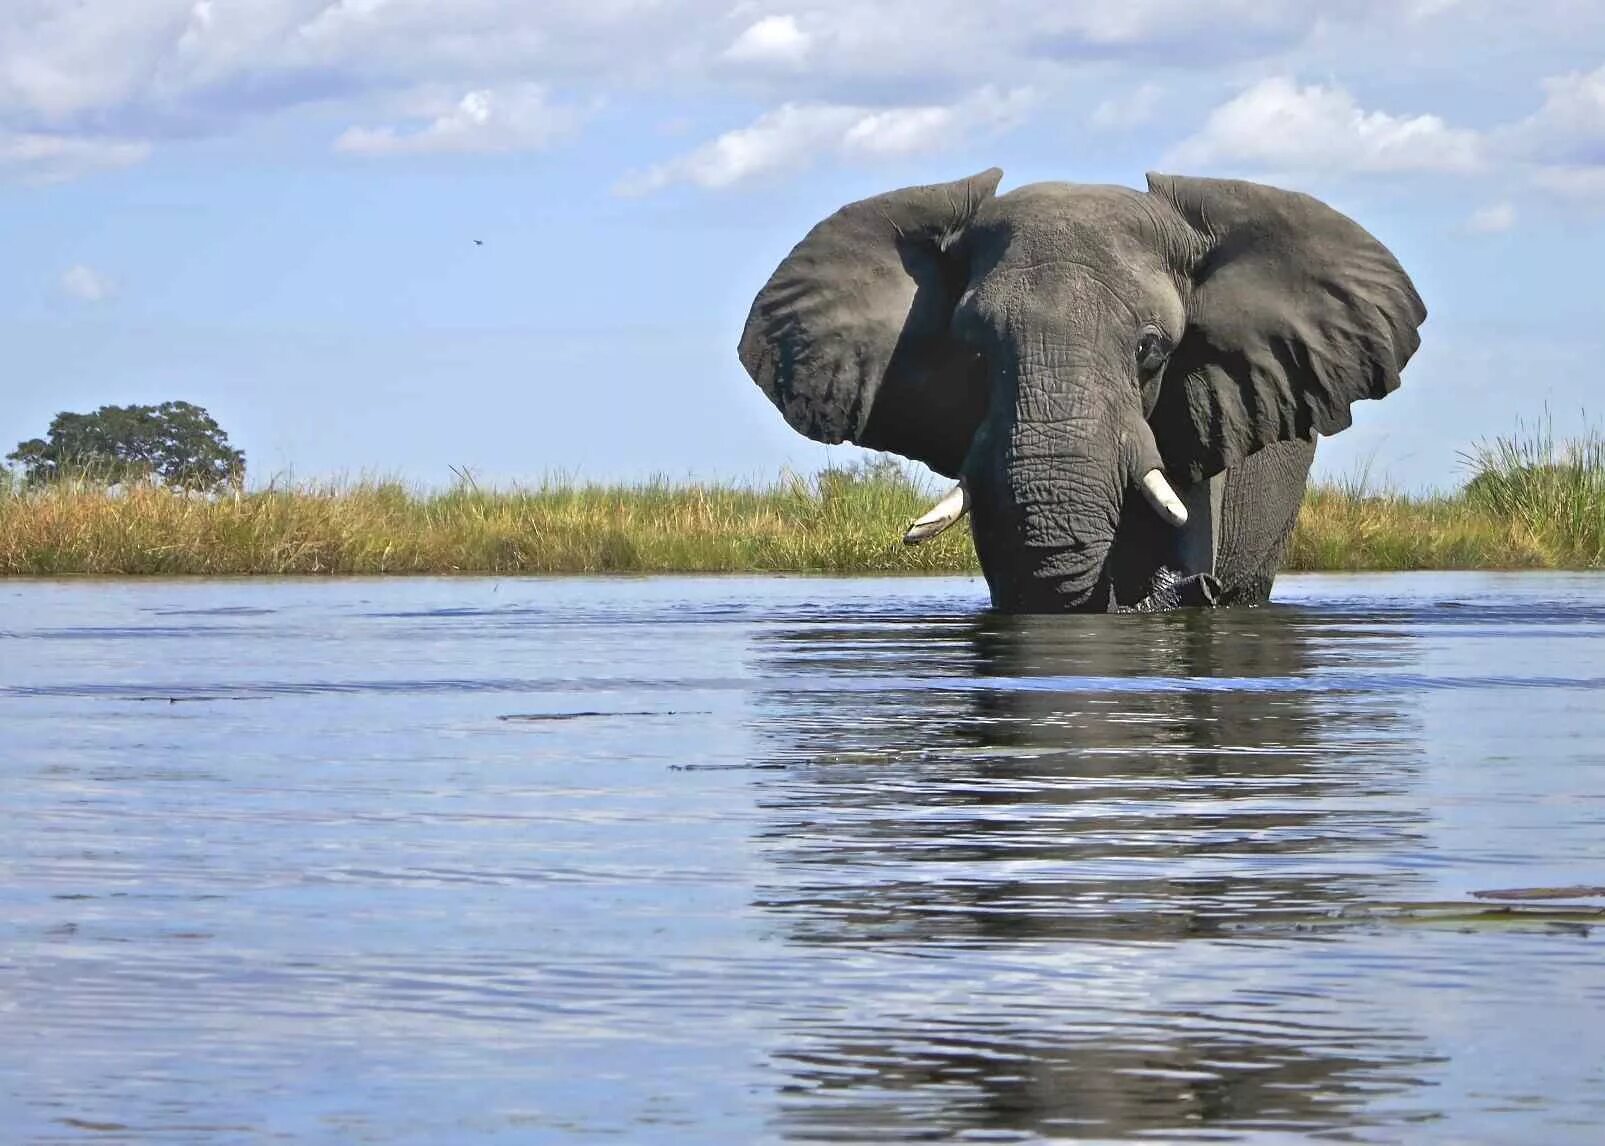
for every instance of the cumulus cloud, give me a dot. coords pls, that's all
(1492, 219)
(1277, 125)
(1127, 110)
(1134, 22)
(512, 119)
(60, 60)
(98, 72)
(772, 40)
(1563, 142)
(1584, 184)
(795, 135)
(1571, 122)
(87, 284)
(178, 68)
(36, 157)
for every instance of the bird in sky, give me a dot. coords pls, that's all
(479, 242)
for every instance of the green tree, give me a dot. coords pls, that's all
(177, 443)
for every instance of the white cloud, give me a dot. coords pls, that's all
(1564, 140)
(239, 58)
(779, 140)
(1127, 110)
(1583, 184)
(36, 157)
(60, 60)
(1278, 126)
(772, 40)
(1571, 120)
(1492, 219)
(98, 71)
(795, 135)
(512, 119)
(900, 131)
(1427, 9)
(1131, 22)
(87, 284)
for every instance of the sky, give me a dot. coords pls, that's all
(268, 207)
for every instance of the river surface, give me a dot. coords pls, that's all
(795, 859)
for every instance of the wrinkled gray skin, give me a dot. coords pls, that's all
(1051, 345)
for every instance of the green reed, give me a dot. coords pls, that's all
(1532, 502)
(840, 521)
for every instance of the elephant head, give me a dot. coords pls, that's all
(1062, 346)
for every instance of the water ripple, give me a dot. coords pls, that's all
(799, 859)
(1333, 683)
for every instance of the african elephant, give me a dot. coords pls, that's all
(1060, 346)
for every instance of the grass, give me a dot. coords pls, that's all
(1531, 504)
(838, 522)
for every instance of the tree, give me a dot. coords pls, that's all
(177, 443)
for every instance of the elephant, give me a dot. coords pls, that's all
(1058, 347)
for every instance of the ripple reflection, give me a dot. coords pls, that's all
(1073, 854)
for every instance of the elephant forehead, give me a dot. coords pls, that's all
(1089, 222)
(1065, 249)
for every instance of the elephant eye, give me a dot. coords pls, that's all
(1152, 350)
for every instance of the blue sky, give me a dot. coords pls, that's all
(268, 206)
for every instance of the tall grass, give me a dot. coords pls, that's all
(843, 520)
(1555, 491)
(1532, 502)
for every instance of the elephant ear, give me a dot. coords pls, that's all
(850, 338)
(1295, 312)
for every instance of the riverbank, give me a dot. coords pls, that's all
(1520, 512)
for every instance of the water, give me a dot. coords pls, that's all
(745, 860)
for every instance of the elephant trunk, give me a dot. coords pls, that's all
(1047, 481)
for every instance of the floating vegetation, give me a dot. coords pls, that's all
(1565, 918)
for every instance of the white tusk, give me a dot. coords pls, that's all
(1164, 500)
(941, 515)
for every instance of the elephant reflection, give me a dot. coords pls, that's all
(1176, 770)
(1108, 811)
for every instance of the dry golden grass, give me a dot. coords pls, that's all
(1531, 505)
(841, 521)
(1342, 530)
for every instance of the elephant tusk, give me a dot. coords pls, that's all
(941, 515)
(1164, 500)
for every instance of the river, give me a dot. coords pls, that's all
(799, 859)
